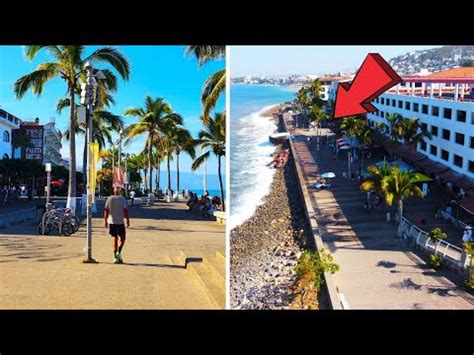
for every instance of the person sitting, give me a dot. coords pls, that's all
(192, 200)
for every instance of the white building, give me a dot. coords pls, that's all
(444, 103)
(52, 143)
(7, 123)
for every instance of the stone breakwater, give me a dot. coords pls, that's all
(265, 249)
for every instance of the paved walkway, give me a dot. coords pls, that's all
(378, 271)
(46, 272)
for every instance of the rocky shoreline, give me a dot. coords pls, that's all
(265, 249)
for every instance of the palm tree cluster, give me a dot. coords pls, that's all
(398, 128)
(166, 138)
(394, 184)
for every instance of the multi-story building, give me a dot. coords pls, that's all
(8, 122)
(444, 103)
(330, 86)
(35, 133)
(51, 143)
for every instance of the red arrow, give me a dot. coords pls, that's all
(374, 77)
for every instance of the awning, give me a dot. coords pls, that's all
(450, 176)
(468, 204)
(465, 183)
(430, 167)
(410, 154)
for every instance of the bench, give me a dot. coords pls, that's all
(220, 217)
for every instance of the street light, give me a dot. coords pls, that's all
(48, 169)
(88, 97)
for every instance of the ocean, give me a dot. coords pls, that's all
(250, 177)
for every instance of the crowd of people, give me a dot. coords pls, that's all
(203, 205)
(13, 193)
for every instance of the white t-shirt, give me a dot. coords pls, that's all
(132, 194)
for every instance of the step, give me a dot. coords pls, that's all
(213, 289)
(215, 268)
(220, 257)
(213, 285)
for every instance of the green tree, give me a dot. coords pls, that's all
(215, 84)
(20, 139)
(212, 140)
(182, 142)
(68, 64)
(154, 119)
(412, 131)
(392, 129)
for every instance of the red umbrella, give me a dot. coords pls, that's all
(56, 182)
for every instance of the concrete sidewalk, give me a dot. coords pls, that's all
(46, 272)
(377, 270)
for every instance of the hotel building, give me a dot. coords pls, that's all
(52, 143)
(8, 122)
(444, 103)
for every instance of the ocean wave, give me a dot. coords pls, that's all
(251, 155)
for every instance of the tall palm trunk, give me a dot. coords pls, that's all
(146, 183)
(220, 182)
(71, 191)
(177, 172)
(150, 167)
(169, 171)
(158, 177)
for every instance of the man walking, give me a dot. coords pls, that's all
(114, 213)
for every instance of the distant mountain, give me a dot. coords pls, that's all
(432, 60)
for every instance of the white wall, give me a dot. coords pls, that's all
(466, 128)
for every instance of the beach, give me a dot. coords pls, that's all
(265, 248)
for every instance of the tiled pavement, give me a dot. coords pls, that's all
(378, 271)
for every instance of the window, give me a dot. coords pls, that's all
(457, 160)
(400, 104)
(472, 118)
(444, 155)
(423, 146)
(424, 127)
(424, 109)
(382, 114)
(471, 166)
(433, 150)
(394, 102)
(407, 105)
(377, 100)
(6, 136)
(435, 111)
(447, 112)
(416, 107)
(446, 134)
(434, 131)
(461, 116)
(459, 138)
(382, 100)
(472, 142)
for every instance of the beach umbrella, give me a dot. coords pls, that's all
(329, 175)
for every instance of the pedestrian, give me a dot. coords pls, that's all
(467, 235)
(132, 196)
(114, 213)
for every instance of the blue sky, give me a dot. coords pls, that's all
(284, 60)
(159, 71)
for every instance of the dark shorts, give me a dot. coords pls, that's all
(116, 230)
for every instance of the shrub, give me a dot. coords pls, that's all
(469, 249)
(314, 265)
(435, 261)
(437, 234)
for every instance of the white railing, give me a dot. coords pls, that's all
(449, 252)
(454, 220)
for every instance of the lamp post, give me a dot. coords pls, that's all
(88, 98)
(48, 169)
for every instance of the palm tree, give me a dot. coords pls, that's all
(157, 156)
(68, 65)
(183, 142)
(215, 84)
(103, 124)
(395, 185)
(212, 139)
(19, 140)
(154, 118)
(413, 132)
(393, 128)
(364, 136)
(316, 114)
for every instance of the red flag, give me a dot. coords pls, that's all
(119, 177)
